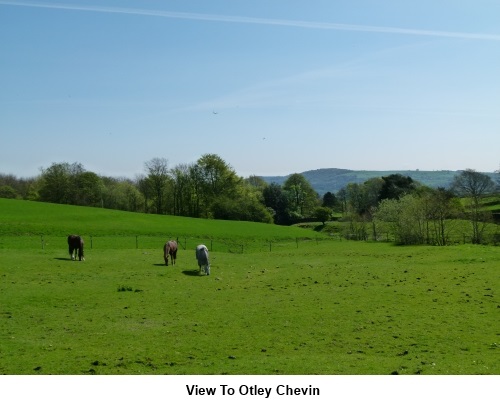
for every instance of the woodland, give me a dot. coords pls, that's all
(210, 188)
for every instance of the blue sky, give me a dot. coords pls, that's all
(272, 86)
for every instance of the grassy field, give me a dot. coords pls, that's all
(327, 307)
(34, 218)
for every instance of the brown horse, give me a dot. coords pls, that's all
(170, 249)
(75, 243)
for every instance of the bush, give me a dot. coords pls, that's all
(8, 192)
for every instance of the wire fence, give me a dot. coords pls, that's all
(185, 242)
(154, 242)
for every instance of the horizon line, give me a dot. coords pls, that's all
(259, 21)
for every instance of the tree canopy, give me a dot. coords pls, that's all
(210, 188)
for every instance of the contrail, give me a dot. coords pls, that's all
(258, 21)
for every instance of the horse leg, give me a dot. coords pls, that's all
(165, 254)
(71, 253)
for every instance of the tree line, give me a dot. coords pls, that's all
(417, 214)
(210, 188)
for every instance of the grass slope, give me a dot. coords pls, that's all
(35, 218)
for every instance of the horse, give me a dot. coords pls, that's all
(75, 243)
(170, 248)
(202, 257)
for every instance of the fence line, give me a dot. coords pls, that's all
(190, 242)
(156, 242)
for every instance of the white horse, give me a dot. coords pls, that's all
(202, 257)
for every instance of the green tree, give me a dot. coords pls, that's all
(277, 203)
(214, 179)
(242, 207)
(25, 188)
(257, 182)
(372, 189)
(342, 198)
(182, 190)
(474, 186)
(87, 189)
(56, 183)
(302, 196)
(395, 186)
(329, 200)
(158, 181)
(440, 205)
(122, 194)
(406, 218)
(356, 199)
(8, 192)
(323, 214)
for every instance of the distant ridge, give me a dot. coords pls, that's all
(324, 180)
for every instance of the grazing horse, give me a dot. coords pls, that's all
(75, 243)
(202, 257)
(170, 248)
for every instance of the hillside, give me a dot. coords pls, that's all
(22, 218)
(324, 180)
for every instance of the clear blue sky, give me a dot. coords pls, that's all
(272, 86)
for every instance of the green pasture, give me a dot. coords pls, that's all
(28, 218)
(308, 306)
(335, 308)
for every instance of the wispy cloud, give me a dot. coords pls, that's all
(258, 21)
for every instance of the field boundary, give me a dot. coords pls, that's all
(147, 242)
(235, 246)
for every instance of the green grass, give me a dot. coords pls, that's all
(492, 203)
(338, 308)
(334, 307)
(27, 218)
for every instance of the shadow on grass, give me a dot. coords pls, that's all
(160, 265)
(63, 259)
(192, 273)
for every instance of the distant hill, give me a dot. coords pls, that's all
(324, 180)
